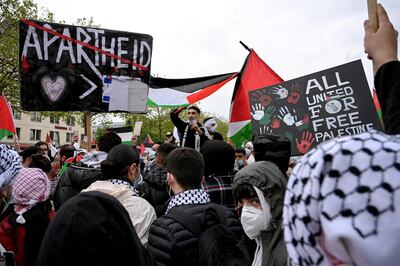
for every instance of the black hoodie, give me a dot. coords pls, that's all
(92, 228)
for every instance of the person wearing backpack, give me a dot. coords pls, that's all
(193, 231)
(259, 190)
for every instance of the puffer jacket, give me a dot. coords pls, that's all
(74, 180)
(170, 243)
(268, 178)
(154, 189)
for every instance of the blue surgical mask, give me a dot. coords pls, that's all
(240, 163)
(138, 180)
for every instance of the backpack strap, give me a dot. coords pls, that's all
(220, 211)
(186, 221)
(194, 226)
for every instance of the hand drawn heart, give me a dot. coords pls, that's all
(53, 88)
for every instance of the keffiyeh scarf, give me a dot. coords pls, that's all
(31, 186)
(10, 164)
(342, 203)
(188, 197)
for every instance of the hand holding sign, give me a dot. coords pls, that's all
(305, 144)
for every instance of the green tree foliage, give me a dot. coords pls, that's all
(11, 12)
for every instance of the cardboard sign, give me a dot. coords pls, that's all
(138, 128)
(73, 68)
(315, 108)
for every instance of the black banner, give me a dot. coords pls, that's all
(316, 108)
(73, 68)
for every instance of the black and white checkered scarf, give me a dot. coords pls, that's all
(342, 204)
(123, 183)
(10, 164)
(188, 197)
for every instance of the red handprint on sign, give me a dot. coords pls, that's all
(294, 97)
(306, 141)
(276, 123)
(265, 100)
(306, 119)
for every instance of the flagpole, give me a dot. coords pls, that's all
(245, 46)
(373, 14)
(88, 130)
(373, 19)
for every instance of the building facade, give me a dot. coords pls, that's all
(32, 127)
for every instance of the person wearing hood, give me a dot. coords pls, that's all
(92, 228)
(342, 203)
(259, 191)
(219, 161)
(249, 152)
(273, 148)
(24, 223)
(211, 125)
(121, 171)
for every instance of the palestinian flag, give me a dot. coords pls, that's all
(255, 74)
(377, 106)
(147, 143)
(7, 126)
(178, 92)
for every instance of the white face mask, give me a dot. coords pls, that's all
(254, 221)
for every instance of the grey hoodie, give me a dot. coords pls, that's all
(267, 177)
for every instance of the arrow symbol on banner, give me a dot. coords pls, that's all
(89, 91)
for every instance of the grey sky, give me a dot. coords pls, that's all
(199, 38)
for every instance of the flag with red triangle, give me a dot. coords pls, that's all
(147, 143)
(48, 139)
(255, 74)
(7, 126)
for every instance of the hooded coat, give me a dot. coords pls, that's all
(92, 228)
(267, 177)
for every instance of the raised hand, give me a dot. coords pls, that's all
(287, 117)
(306, 141)
(258, 111)
(276, 123)
(269, 112)
(280, 91)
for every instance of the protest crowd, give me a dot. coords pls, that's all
(201, 201)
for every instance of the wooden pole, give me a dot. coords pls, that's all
(373, 19)
(88, 130)
(373, 14)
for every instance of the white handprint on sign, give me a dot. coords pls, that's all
(280, 91)
(258, 111)
(265, 130)
(287, 118)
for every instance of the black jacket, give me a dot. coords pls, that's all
(387, 85)
(154, 189)
(170, 243)
(74, 180)
(92, 228)
(181, 126)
